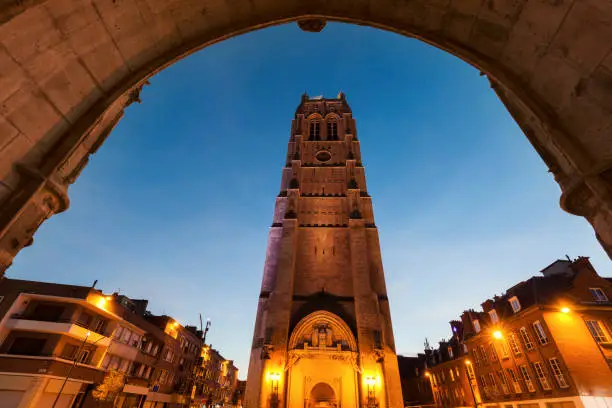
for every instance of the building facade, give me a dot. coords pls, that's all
(323, 333)
(217, 379)
(51, 334)
(416, 387)
(545, 343)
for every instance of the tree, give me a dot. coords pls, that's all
(112, 385)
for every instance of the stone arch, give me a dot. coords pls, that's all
(68, 70)
(322, 395)
(304, 329)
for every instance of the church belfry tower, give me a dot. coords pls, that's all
(323, 334)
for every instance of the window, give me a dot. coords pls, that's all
(493, 316)
(597, 330)
(526, 339)
(493, 382)
(450, 352)
(504, 348)
(527, 378)
(169, 355)
(493, 353)
(451, 375)
(163, 376)
(465, 348)
(470, 371)
(539, 330)
(99, 326)
(476, 324)
(315, 131)
(541, 375)
(83, 357)
(514, 344)
(125, 338)
(118, 333)
(515, 380)
(504, 382)
(332, 129)
(555, 366)
(483, 354)
(598, 294)
(516, 305)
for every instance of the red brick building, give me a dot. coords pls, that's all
(545, 343)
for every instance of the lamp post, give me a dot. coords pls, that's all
(469, 378)
(370, 381)
(274, 379)
(76, 356)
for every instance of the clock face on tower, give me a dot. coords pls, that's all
(323, 156)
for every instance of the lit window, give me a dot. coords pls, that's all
(493, 316)
(597, 330)
(470, 370)
(452, 375)
(514, 344)
(493, 382)
(598, 294)
(539, 330)
(332, 129)
(541, 375)
(476, 324)
(558, 373)
(450, 352)
(516, 305)
(315, 129)
(465, 348)
(527, 378)
(526, 339)
(504, 382)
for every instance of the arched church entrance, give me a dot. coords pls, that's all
(68, 70)
(322, 395)
(323, 363)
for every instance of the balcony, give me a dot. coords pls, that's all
(52, 365)
(72, 328)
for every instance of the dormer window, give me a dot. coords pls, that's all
(598, 294)
(516, 305)
(493, 316)
(450, 352)
(476, 324)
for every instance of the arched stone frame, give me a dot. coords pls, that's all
(549, 62)
(332, 116)
(333, 387)
(319, 119)
(303, 326)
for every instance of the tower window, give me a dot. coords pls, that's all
(332, 129)
(315, 130)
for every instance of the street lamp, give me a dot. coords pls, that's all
(370, 381)
(565, 309)
(274, 379)
(468, 364)
(498, 335)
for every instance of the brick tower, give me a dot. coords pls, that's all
(323, 334)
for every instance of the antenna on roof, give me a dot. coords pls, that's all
(568, 258)
(94, 284)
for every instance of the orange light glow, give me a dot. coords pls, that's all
(498, 335)
(109, 298)
(101, 303)
(370, 380)
(427, 374)
(565, 309)
(468, 362)
(274, 376)
(175, 324)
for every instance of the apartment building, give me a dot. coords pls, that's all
(62, 342)
(218, 379)
(544, 343)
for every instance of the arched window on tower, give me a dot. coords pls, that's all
(315, 129)
(332, 129)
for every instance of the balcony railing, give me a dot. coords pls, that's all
(69, 321)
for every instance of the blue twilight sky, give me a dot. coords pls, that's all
(175, 207)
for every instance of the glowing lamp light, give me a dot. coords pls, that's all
(427, 374)
(88, 334)
(497, 334)
(274, 376)
(175, 324)
(109, 298)
(565, 309)
(370, 381)
(468, 362)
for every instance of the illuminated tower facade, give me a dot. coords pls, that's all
(323, 334)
